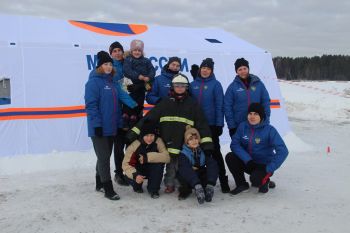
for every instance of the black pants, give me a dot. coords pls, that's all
(237, 168)
(217, 154)
(186, 181)
(119, 145)
(154, 174)
(103, 148)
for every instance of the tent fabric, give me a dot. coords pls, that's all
(47, 64)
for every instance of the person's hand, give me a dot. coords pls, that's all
(139, 179)
(142, 159)
(232, 131)
(141, 77)
(98, 131)
(218, 130)
(131, 88)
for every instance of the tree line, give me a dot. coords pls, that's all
(326, 67)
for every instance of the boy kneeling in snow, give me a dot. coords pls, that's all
(145, 159)
(196, 170)
(257, 149)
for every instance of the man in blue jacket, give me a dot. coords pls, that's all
(162, 83)
(257, 149)
(207, 90)
(245, 89)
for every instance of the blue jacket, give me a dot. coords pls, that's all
(210, 95)
(186, 151)
(102, 97)
(160, 88)
(118, 66)
(133, 67)
(191, 176)
(260, 143)
(238, 98)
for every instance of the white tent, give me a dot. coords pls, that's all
(46, 64)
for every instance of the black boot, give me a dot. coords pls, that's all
(225, 188)
(184, 192)
(272, 184)
(240, 188)
(99, 185)
(120, 179)
(109, 191)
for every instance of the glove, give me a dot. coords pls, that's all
(251, 166)
(143, 159)
(257, 177)
(219, 130)
(98, 132)
(232, 131)
(131, 88)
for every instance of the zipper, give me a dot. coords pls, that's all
(250, 140)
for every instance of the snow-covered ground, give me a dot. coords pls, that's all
(55, 193)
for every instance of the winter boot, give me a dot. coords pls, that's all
(272, 184)
(109, 191)
(184, 192)
(137, 188)
(120, 179)
(225, 188)
(199, 191)
(265, 187)
(99, 185)
(209, 193)
(169, 189)
(240, 188)
(154, 194)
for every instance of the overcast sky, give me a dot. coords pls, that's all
(284, 28)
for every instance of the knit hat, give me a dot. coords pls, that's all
(191, 132)
(172, 59)
(136, 44)
(103, 57)
(148, 127)
(241, 62)
(114, 45)
(258, 108)
(208, 62)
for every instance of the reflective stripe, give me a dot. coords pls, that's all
(136, 130)
(174, 151)
(178, 119)
(207, 139)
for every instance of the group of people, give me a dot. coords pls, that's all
(181, 132)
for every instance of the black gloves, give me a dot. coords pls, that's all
(98, 132)
(216, 130)
(135, 87)
(131, 88)
(256, 177)
(232, 131)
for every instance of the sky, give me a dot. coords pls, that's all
(284, 28)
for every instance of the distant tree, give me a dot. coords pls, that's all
(326, 67)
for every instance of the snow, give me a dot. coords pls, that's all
(55, 192)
